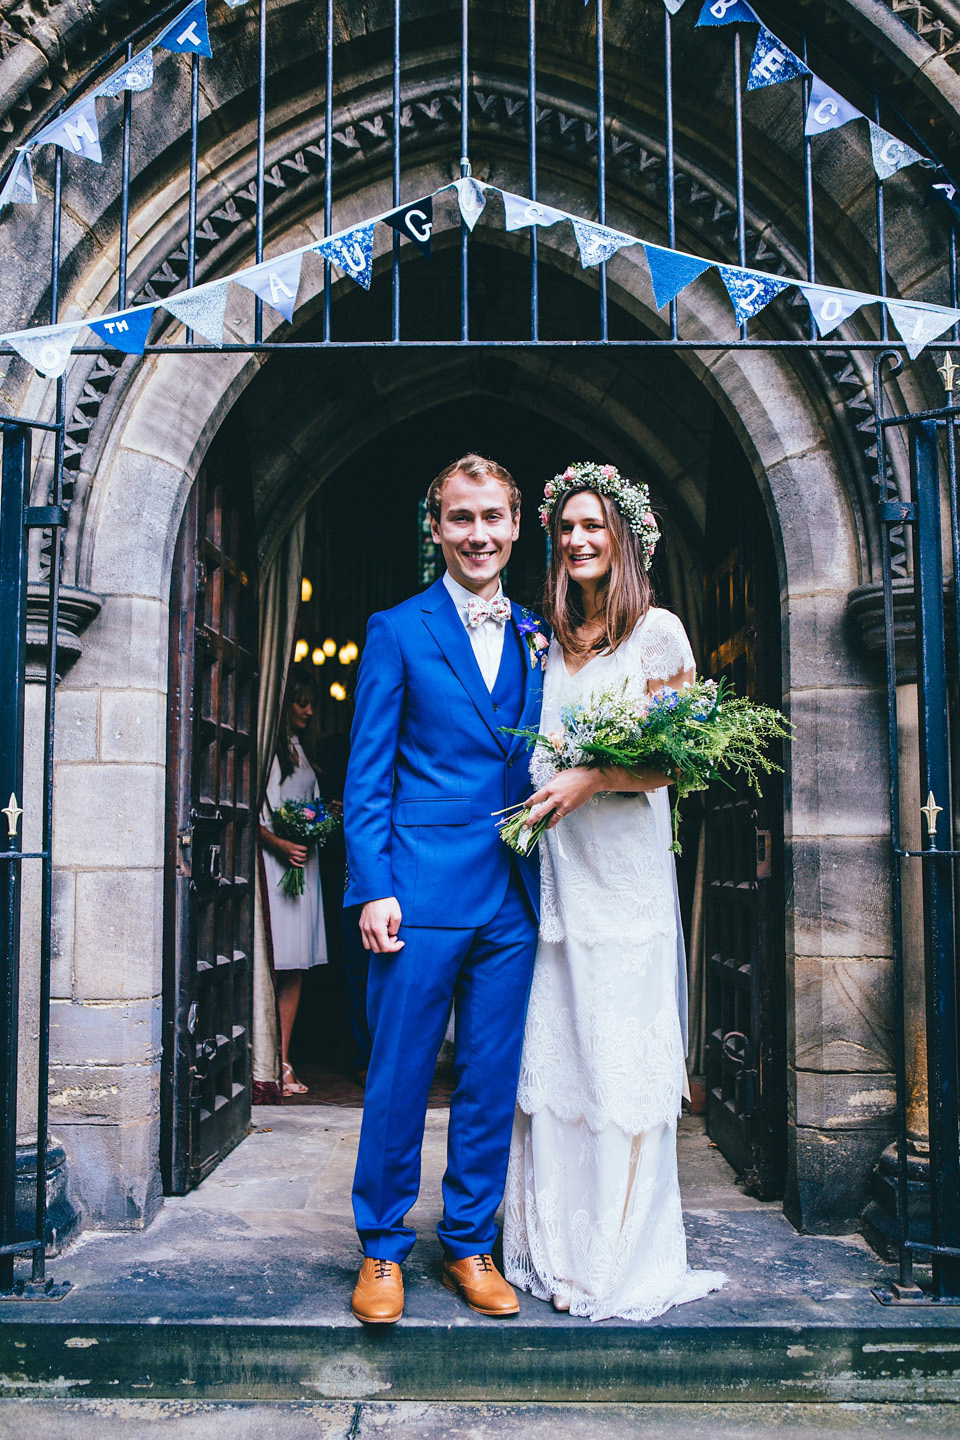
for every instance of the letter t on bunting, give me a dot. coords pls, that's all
(188, 34)
(415, 221)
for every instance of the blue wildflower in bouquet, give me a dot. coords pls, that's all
(307, 822)
(689, 735)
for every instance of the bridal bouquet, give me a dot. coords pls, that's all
(690, 735)
(308, 822)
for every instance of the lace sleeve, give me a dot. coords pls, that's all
(664, 647)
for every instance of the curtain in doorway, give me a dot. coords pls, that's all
(279, 605)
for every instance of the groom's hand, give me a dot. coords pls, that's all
(379, 923)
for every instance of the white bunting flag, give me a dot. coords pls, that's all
(918, 325)
(889, 153)
(827, 109)
(202, 309)
(830, 307)
(596, 243)
(47, 349)
(277, 282)
(76, 132)
(471, 199)
(19, 188)
(136, 75)
(519, 212)
(673, 5)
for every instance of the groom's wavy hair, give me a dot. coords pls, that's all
(625, 595)
(478, 468)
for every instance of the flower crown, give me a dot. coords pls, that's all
(631, 497)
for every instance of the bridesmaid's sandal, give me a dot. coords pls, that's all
(291, 1085)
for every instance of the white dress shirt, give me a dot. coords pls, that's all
(486, 638)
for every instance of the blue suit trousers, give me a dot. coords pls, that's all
(486, 973)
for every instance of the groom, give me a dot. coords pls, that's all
(449, 912)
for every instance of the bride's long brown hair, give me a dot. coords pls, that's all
(625, 593)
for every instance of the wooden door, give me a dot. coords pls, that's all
(211, 834)
(744, 914)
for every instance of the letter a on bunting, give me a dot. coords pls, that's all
(415, 221)
(277, 282)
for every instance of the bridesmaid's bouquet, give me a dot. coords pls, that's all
(690, 735)
(308, 822)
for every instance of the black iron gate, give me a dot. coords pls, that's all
(937, 858)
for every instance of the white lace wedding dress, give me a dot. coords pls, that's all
(592, 1214)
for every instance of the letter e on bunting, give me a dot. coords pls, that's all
(415, 221)
(773, 62)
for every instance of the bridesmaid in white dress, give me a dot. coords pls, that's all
(296, 924)
(592, 1216)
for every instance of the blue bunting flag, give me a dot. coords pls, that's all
(352, 253)
(750, 290)
(188, 34)
(597, 243)
(671, 272)
(277, 282)
(127, 331)
(773, 62)
(727, 12)
(77, 131)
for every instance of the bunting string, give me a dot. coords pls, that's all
(277, 281)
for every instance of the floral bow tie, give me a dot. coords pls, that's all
(497, 610)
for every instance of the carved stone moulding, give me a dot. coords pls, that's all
(865, 611)
(76, 610)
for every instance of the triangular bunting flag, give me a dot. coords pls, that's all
(727, 12)
(202, 309)
(188, 34)
(20, 189)
(750, 290)
(773, 62)
(597, 243)
(415, 221)
(352, 253)
(77, 131)
(827, 110)
(830, 308)
(944, 190)
(673, 5)
(519, 212)
(889, 153)
(277, 282)
(918, 325)
(671, 272)
(47, 349)
(137, 75)
(127, 331)
(471, 199)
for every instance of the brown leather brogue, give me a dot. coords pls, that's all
(480, 1283)
(378, 1296)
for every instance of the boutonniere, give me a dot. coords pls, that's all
(537, 643)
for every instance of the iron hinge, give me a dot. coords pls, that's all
(35, 516)
(896, 512)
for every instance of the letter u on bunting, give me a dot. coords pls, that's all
(597, 243)
(671, 272)
(415, 221)
(471, 199)
(352, 253)
(750, 290)
(918, 325)
(277, 282)
(773, 62)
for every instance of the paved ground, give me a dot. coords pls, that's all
(171, 1420)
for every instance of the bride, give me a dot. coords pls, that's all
(592, 1217)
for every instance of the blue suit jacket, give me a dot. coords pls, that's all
(428, 766)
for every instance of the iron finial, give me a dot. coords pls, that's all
(946, 371)
(930, 811)
(13, 813)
